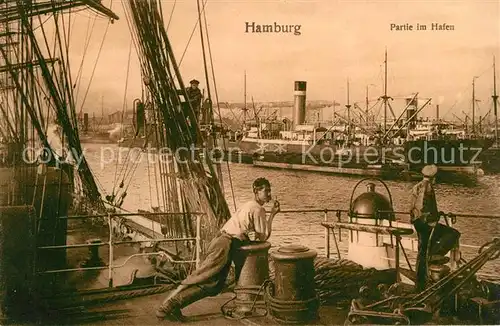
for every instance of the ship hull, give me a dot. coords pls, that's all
(459, 156)
(456, 159)
(490, 160)
(368, 161)
(334, 164)
(281, 146)
(325, 150)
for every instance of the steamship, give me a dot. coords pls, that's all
(142, 132)
(94, 132)
(338, 149)
(452, 150)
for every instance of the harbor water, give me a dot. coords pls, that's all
(304, 190)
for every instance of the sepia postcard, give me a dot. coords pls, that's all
(256, 162)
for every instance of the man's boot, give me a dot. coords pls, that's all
(423, 232)
(171, 309)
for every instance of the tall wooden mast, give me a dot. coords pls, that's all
(495, 101)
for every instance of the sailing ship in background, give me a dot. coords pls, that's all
(38, 94)
(40, 178)
(339, 148)
(97, 129)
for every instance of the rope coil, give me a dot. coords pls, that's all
(234, 313)
(252, 290)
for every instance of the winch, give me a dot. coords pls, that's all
(292, 297)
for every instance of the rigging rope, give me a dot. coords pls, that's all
(149, 185)
(156, 184)
(171, 14)
(62, 98)
(218, 109)
(177, 125)
(192, 33)
(85, 48)
(95, 65)
(124, 168)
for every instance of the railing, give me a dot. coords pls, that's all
(111, 243)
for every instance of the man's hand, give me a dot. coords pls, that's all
(276, 208)
(252, 236)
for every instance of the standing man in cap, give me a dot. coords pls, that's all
(250, 223)
(195, 97)
(424, 215)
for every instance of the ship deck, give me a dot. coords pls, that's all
(141, 311)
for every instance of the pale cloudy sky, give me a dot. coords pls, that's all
(339, 40)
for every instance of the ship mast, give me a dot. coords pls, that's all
(384, 97)
(53, 80)
(333, 111)
(495, 101)
(348, 107)
(367, 103)
(102, 108)
(245, 99)
(188, 186)
(385, 92)
(473, 103)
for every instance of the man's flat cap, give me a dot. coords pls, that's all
(194, 81)
(429, 171)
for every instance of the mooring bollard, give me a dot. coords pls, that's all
(252, 270)
(293, 298)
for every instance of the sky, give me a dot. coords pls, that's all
(339, 41)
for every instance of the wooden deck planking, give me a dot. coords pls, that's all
(141, 311)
